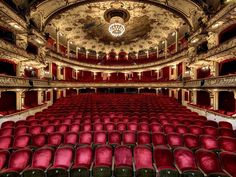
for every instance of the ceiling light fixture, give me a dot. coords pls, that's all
(116, 27)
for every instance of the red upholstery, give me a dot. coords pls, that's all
(6, 142)
(226, 132)
(208, 162)
(63, 128)
(34, 130)
(83, 157)
(121, 126)
(55, 139)
(98, 127)
(224, 124)
(174, 140)
(6, 131)
(168, 128)
(129, 137)
(110, 126)
(8, 124)
(21, 141)
(163, 158)
(63, 157)
(39, 140)
(182, 129)
(142, 157)
(191, 141)
(123, 156)
(132, 126)
(228, 160)
(75, 128)
(208, 130)
(100, 137)
(4, 155)
(227, 144)
(196, 130)
(184, 159)
(85, 138)
(209, 142)
(21, 130)
(71, 138)
(50, 129)
(155, 127)
(143, 138)
(103, 156)
(158, 139)
(114, 138)
(211, 123)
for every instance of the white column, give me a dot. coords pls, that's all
(58, 41)
(157, 51)
(77, 52)
(51, 96)
(215, 100)
(68, 49)
(97, 55)
(194, 96)
(137, 55)
(40, 99)
(18, 100)
(50, 69)
(18, 69)
(166, 45)
(58, 93)
(64, 92)
(176, 41)
(59, 73)
(86, 53)
(147, 54)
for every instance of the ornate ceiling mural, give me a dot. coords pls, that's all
(84, 24)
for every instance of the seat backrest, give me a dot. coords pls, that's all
(55, 139)
(63, 157)
(103, 156)
(83, 156)
(207, 161)
(174, 139)
(97, 127)
(6, 131)
(184, 159)
(123, 156)
(224, 124)
(226, 132)
(21, 141)
(20, 159)
(39, 140)
(129, 137)
(191, 141)
(209, 142)
(5, 142)
(8, 124)
(85, 138)
(42, 158)
(163, 156)
(75, 127)
(228, 160)
(143, 138)
(4, 155)
(159, 139)
(209, 130)
(71, 138)
(196, 130)
(227, 144)
(143, 157)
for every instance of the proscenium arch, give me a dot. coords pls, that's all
(151, 2)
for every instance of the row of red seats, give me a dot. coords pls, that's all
(47, 127)
(172, 140)
(66, 161)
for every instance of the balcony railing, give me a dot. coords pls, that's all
(221, 82)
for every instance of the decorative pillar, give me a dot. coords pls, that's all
(157, 91)
(147, 54)
(68, 49)
(194, 97)
(77, 52)
(58, 93)
(86, 53)
(216, 99)
(138, 90)
(214, 67)
(166, 45)
(176, 41)
(19, 100)
(77, 91)
(18, 69)
(97, 55)
(50, 69)
(59, 73)
(58, 41)
(157, 51)
(136, 55)
(40, 98)
(64, 92)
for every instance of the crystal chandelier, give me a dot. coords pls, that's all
(116, 27)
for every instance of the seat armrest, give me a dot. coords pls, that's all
(202, 172)
(134, 170)
(21, 173)
(155, 168)
(49, 166)
(91, 167)
(113, 164)
(71, 165)
(176, 166)
(227, 173)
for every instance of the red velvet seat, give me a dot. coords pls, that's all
(45, 122)
(55, 139)
(20, 123)
(39, 140)
(85, 138)
(226, 132)
(224, 124)
(6, 131)
(227, 144)
(209, 130)
(4, 155)
(41, 161)
(196, 130)
(182, 129)
(191, 141)
(34, 130)
(164, 161)
(82, 162)
(86, 127)
(143, 162)
(110, 126)
(143, 138)
(8, 124)
(62, 128)
(211, 123)
(174, 140)
(159, 139)
(228, 160)
(209, 163)
(62, 162)
(49, 129)
(129, 138)
(123, 161)
(99, 137)
(114, 138)
(155, 127)
(21, 130)
(143, 127)
(18, 161)
(33, 123)
(209, 142)
(71, 138)
(185, 162)
(21, 141)
(74, 128)
(6, 142)
(121, 126)
(103, 161)
(168, 128)
(132, 126)
(97, 127)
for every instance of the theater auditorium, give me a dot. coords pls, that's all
(117, 88)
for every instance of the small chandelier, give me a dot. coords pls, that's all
(116, 27)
